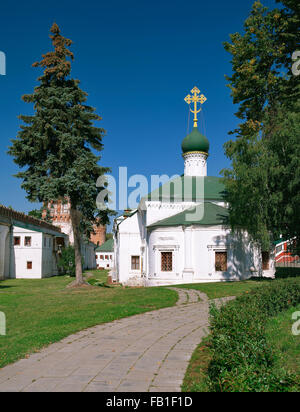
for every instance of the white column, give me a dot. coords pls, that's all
(188, 271)
(210, 260)
(195, 164)
(155, 264)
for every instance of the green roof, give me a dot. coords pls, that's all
(107, 246)
(189, 189)
(276, 242)
(195, 142)
(206, 213)
(36, 228)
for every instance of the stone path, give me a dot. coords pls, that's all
(146, 352)
(189, 296)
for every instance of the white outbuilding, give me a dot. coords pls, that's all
(105, 255)
(29, 247)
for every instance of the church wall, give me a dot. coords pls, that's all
(128, 244)
(210, 240)
(157, 211)
(194, 250)
(166, 240)
(161, 210)
(193, 255)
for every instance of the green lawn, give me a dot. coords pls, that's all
(279, 334)
(40, 312)
(216, 290)
(100, 275)
(194, 380)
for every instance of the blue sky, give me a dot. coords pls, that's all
(137, 60)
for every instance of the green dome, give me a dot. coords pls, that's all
(195, 142)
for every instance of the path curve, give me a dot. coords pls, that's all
(146, 352)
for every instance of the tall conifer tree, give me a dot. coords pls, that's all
(54, 146)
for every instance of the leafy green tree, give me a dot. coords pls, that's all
(55, 146)
(263, 184)
(38, 214)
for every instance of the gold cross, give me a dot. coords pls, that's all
(195, 98)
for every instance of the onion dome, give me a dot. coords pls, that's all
(195, 142)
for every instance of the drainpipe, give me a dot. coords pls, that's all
(10, 246)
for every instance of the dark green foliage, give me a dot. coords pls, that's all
(38, 214)
(242, 360)
(287, 272)
(96, 282)
(109, 236)
(263, 184)
(66, 263)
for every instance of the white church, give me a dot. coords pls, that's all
(179, 232)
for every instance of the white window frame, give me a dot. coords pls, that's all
(139, 268)
(158, 249)
(211, 258)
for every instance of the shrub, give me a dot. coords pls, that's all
(66, 263)
(97, 282)
(242, 360)
(287, 272)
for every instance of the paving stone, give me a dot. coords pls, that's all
(161, 382)
(165, 389)
(42, 385)
(88, 370)
(70, 387)
(133, 386)
(100, 387)
(76, 379)
(139, 376)
(17, 383)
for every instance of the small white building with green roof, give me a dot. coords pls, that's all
(105, 255)
(180, 233)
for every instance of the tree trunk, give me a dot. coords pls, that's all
(75, 219)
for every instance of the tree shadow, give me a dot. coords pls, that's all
(5, 286)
